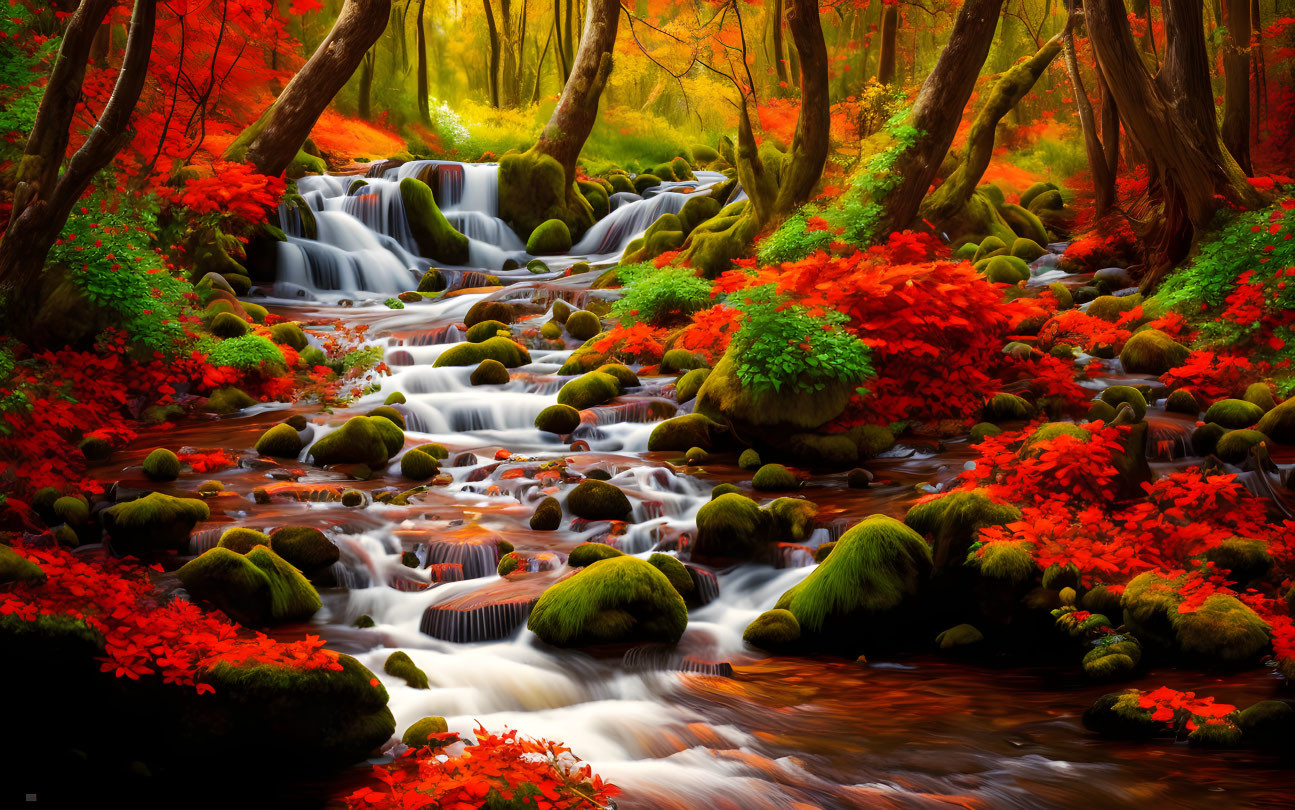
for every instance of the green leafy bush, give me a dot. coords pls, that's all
(655, 296)
(246, 353)
(1237, 246)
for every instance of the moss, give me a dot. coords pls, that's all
(615, 600)
(1245, 559)
(1152, 352)
(484, 330)
(875, 567)
(1118, 395)
(433, 281)
(953, 522)
(560, 419)
(966, 252)
(1006, 408)
(674, 571)
(292, 597)
(421, 733)
(623, 374)
(589, 390)
(1221, 630)
(682, 433)
(598, 500)
(1004, 269)
(547, 516)
(231, 582)
(1205, 439)
(963, 635)
(16, 568)
(582, 324)
(490, 372)
(872, 440)
(289, 334)
(499, 349)
(677, 360)
(792, 519)
(212, 487)
(1115, 661)
(1234, 414)
(402, 666)
(1215, 735)
(360, 440)
(1062, 293)
(228, 325)
(1183, 401)
(72, 510)
(772, 477)
(533, 188)
(435, 237)
(433, 449)
(305, 547)
(773, 630)
(550, 236)
(981, 430)
(723, 489)
(241, 540)
(749, 460)
(645, 181)
(1117, 715)
(1004, 560)
(723, 393)
(1235, 445)
(989, 246)
(156, 522)
(280, 441)
(1268, 724)
(732, 526)
(1279, 423)
(1049, 431)
(1260, 394)
(696, 455)
(162, 465)
(1028, 196)
(95, 448)
(419, 466)
(1111, 307)
(551, 330)
(587, 554)
(835, 450)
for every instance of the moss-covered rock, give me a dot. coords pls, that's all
(256, 589)
(582, 324)
(587, 554)
(689, 384)
(1023, 223)
(953, 523)
(1111, 307)
(989, 246)
(241, 540)
(482, 331)
(1152, 352)
(958, 637)
(1244, 558)
(1268, 724)
(773, 630)
(14, 567)
(1260, 394)
(305, 547)
(1234, 414)
(588, 390)
(615, 600)
(1183, 401)
(228, 325)
(860, 590)
(402, 666)
(361, 440)
(1004, 269)
(419, 466)
(1221, 631)
(551, 236)
(1118, 715)
(598, 500)
(766, 411)
(432, 232)
(422, 733)
(289, 334)
(1006, 408)
(645, 181)
(1117, 395)
(623, 374)
(1205, 439)
(682, 433)
(154, 523)
(162, 465)
(749, 460)
(1113, 661)
(1027, 250)
(1006, 561)
(774, 477)
(1235, 445)
(490, 372)
(677, 360)
(834, 450)
(1279, 423)
(674, 571)
(981, 430)
(280, 441)
(559, 419)
(791, 519)
(696, 455)
(482, 311)
(547, 516)
(500, 349)
(433, 281)
(732, 526)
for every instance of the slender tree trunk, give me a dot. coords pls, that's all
(938, 110)
(1103, 180)
(573, 119)
(568, 42)
(889, 27)
(366, 85)
(808, 152)
(493, 77)
(564, 63)
(274, 140)
(506, 76)
(779, 49)
(45, 190)
(1171, 118)
(424, 109)
(1236, 93)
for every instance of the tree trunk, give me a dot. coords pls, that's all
(274, 140)
(809, 146)
(43, 195)
(779, 49)
(1236, 93)
(539, 69)
(492, 78)
(506, 76)
(947, 203)
(889, 27)
(366, 85)
(424, 109)
(564, 63)
(568, 42)
(1171, 119)
(1103, 180)
(938, 110)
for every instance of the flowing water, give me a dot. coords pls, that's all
(709, 723)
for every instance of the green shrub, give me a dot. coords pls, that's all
(246, 353)
(662, 295)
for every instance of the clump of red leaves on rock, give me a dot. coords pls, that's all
(531, 773)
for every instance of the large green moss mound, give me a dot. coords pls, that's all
(732, 526)
(256, 589)
(682, 433)
(499, 349)
(551, 236)
(154, 523)
(361, 440)
(1152, 352)
(953, 522)
(723, 393)
(1221, 631)
(1234, 414)
(589, 390)
(280, 441)
(615, 600)
(598, 500)
(559, 419)
(773, 630)
(533, 188)
(435, 237)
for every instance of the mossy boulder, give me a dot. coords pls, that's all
(402, 666)
(623, 374)
(162, 465)
(1007, 561)
(749, 460)
(551, 330)
(289, 334)
(1234, 414)
(677, 360)
(305, 547)
(423, 733)
(14, 567)
(1205, 439)
(257, 589)
(483, 311)
(645, 181)
(551, 236)
(154, 523)
(361, 440)
(1279, 423)
(618, 600)
(989, 246)
(587, 554)
(228, 325)
(433, 281)
(432, 232)
(676, 572)
(981, 430)
(732, 526)
(860, 591)
(1113, 661)
(1118, 715)
(241, 540)
(1183, 401)
(72, 510)
(482, 331)
(766, 411)
(1111, 307)
(280, 441)
(1245, 559)
(681, 433)
(774, 630)
(589, 390)
(953, 523)
(1006, 408)
(1027, 250)
(560, 419)
(1028, 196)
(1152, 352)
(792, 519)
(1260, 394)
(1117, 395)
(834, 450)
(1220, 631)
(1004, 269)
(1268, 724)
(1235, 445)
(500, 349)
(547, 516)
(490, 372)
(774, 477)
(582, 324)
(419, 466)
(689, 384)
(1023, 223)
(598, 500)
(533, 188)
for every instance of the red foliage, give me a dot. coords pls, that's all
(232, 188)
(710, 332)
(1213, 376)
(1183, 710)
(538, 773)
(639, 343)
(1083, 331)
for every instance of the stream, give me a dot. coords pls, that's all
(710, 723)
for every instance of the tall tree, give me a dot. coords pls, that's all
(493, 34)
(1236, 87)
(46, 187)
(424, 108)
(889, 27)
(779, 49)
(274, 140)
(1102, 148)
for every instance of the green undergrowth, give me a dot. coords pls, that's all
(655, 295)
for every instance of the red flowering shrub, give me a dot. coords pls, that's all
(234, 189)
(710, 332)
(1213, 376)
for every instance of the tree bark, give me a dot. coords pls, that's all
(889, 27)
(424, 109)
(564, 62)
(1236, 92)
(809, 145)
(573, 119)
(366, 85)
(938, 110)
(274, 140)
(1170, 117)
(1103, 180)
(493, 77)
(44, 195)
(779, 49)
(506, 76)
(539, 68)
